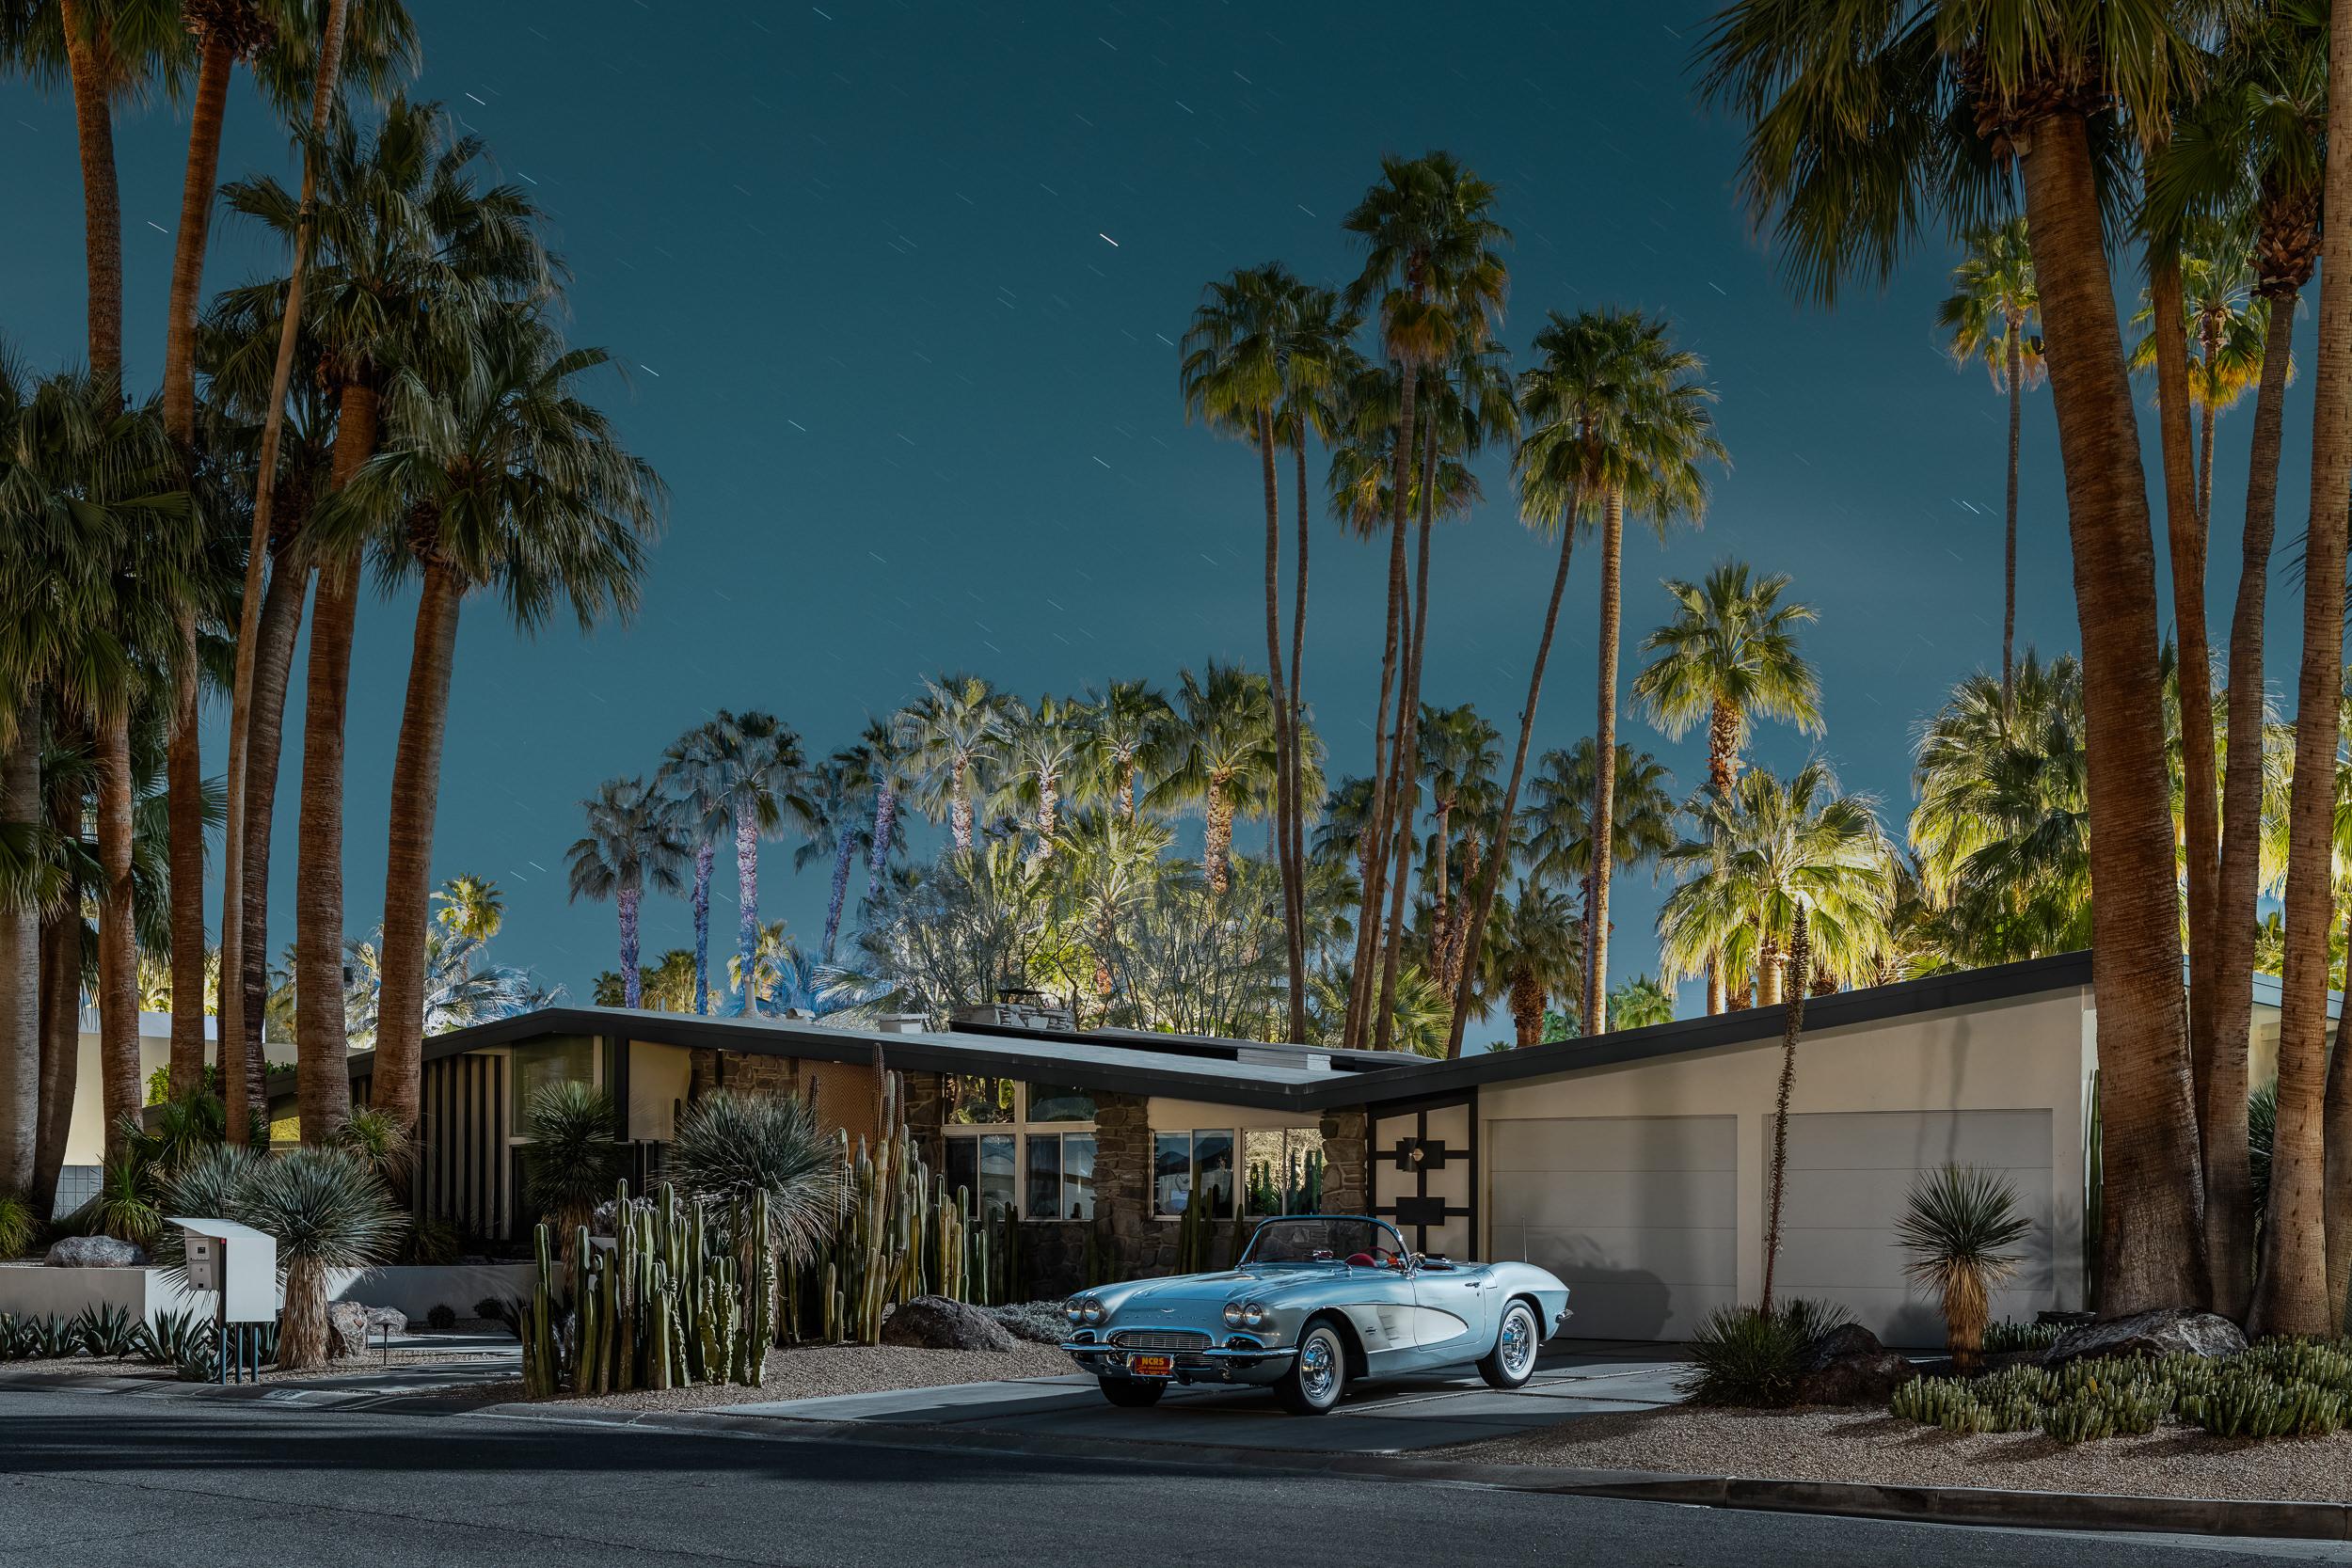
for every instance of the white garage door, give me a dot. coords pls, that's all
(1848, 1173)
(1637, 1213)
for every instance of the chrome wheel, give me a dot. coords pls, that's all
(1518, 1341)
(1319, 1366)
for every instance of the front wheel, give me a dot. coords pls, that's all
(1512, 1361)
(1317, 1375)
(1129, 1393)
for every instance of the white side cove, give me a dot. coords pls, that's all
(1643, 1185)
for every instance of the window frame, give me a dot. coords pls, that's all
(1022, 1131)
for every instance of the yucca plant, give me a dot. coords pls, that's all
(1959, 1226)
(572, 1162)
(203, 1187)
(327, 1210)
(1743, 1356)
(16, 1225)
(731, 1146)
(378, 1142)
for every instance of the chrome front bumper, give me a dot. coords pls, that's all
(1259, 1364)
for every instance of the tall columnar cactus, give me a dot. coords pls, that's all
(898, 1235)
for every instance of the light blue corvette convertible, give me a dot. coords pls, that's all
(1317, 1301)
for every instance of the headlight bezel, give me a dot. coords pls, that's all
(1233, 1314)
(1091, 1311)
(1257, 1315)
(1071, 1308)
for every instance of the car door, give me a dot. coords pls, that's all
(1455, 1309)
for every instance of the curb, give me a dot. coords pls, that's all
(1928, 1505)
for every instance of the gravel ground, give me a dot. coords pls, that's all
(1871, 1445)
(812, 1372)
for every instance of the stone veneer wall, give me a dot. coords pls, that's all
(1137, 1244)
(1343, 1163)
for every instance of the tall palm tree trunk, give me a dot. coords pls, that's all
(101, 201)
(321, 1045)
(1285, 779)
(184, 763)
(1792, 1028)
(2184, 530)
(273, 674)
(1407, 771)
(117, 943)
(60, 1042)
(183, 805)
(747, 901)
(2151, 1230)
(20, 966)
(632, 990)
(844, 852)
(1361, 994)
(2015, 370)
(705, 855)
(2221, 1068)
(1483, 905)
(2336, 1115)
(408, 849)
(960, 808)
(1217, 849)
(2205, 417)
(1604, 766)
(2293, 1295)
(241, 690)
(886, 824)
(1722, 776)
(1298, 744)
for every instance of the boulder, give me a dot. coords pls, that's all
(94, 1252)
(936, 1322)
(1866, 1377)
(2164, 1331)
(352, 1324)
(1838, 1344)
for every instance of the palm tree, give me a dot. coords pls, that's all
(882, 747)
(1560, 823)
(414, 260)
(839, 787)
(1125, 722)
(470, 906)
(508, 481)
(461, 987)
(1729, 656)
(764, 779)
(1044, 748)
(1110, 861)
(1640, 1001)
(691, 773)
(1980, 93)
(2227, 323)
(1221, 757)
(1435, 280)
(635, 841)
(1458, 753)
(1536, 951)
(2002, 822)
(954, 735)
(1985, 315)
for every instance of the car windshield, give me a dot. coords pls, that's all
(1322, 1239)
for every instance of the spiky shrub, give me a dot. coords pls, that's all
(730, 1146)
(572, 1162)
(16, 1225)
(2005, 1336)
(1960, 1225)
(327, 1210)
(124, 1205)
(1742, 1357)
(379, 1142)
(169, 1338)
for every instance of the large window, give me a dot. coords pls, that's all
(1281, 1171)
(1036, 1156)
(1193, 1168)
(570, 1058)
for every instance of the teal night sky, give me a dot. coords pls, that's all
(898, 285)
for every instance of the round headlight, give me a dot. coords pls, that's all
(1090, 1310)
(1233, 1314)
(1254, 1315)
(1071, 1308)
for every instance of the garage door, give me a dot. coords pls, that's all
(1637, 1213)
(1849, 1173)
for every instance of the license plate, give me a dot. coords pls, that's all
(1150, 1366)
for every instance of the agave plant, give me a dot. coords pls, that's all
(572, 1162)
(327, 1210)
(731, 1146)
(1959, 1226)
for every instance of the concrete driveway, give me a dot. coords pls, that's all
(1573, 1379)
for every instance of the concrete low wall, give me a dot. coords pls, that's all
(36, 1291)
(416, 1290)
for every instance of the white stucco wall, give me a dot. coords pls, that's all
(86, 1135)
(2032, 1054)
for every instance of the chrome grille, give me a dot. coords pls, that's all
(1160, 1338)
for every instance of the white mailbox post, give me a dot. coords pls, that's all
(239, 1265)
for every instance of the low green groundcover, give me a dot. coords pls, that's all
(2274, 1388)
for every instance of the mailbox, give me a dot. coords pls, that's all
(235, 1261)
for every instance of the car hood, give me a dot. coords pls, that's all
(1198, 1297)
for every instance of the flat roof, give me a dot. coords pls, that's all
(1239, 1073)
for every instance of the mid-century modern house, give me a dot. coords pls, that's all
(1632, 1164)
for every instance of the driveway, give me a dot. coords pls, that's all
(1390, 1416)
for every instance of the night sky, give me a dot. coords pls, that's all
(898, 287)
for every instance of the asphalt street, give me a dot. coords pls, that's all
(93, 1480)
